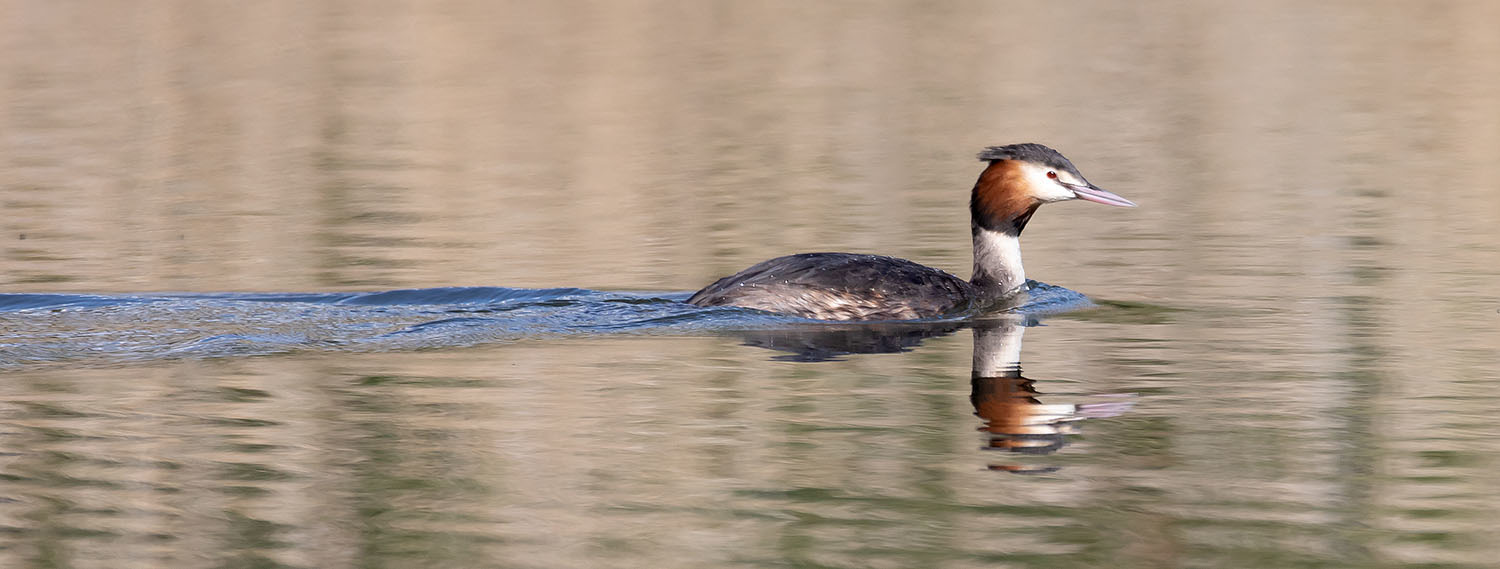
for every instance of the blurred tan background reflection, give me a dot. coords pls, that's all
(1319, 187)
(656, 145)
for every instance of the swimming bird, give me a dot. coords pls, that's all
(846, 286)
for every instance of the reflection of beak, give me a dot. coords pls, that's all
(1096, 194)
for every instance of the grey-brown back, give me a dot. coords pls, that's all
(841, 286)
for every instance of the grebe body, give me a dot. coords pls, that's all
(844, 286)
(841, 286)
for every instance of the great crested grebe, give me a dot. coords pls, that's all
(845, 286)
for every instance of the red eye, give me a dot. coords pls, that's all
(1052, 175)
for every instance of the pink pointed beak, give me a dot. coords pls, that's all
(1096, 194)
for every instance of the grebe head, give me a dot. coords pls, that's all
(1022, 177)
(1019, 179)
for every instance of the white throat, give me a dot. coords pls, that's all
(997, 262)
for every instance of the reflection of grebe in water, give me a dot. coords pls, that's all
(818, 342)
(842, 286)
(1015, 420)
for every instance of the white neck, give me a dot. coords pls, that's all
(997, 261)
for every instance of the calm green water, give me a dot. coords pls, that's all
(1294, 363)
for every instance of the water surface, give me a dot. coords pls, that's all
(339, 284)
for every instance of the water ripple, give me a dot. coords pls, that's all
(42, 328)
